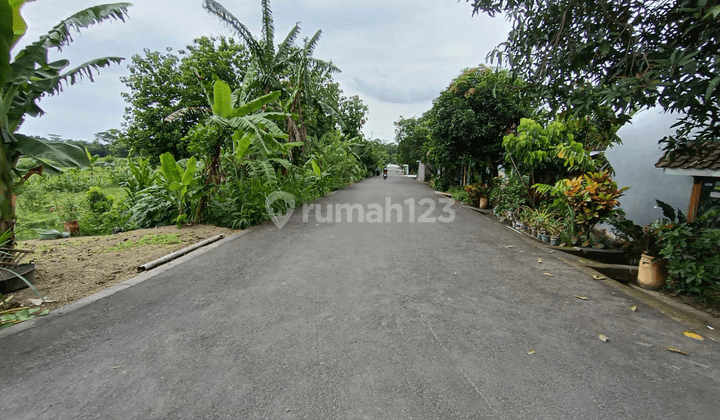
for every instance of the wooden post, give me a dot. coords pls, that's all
(694, 199)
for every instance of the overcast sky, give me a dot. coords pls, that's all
(397, 55)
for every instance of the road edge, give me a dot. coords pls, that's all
(142, 277)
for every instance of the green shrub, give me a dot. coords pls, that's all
(70, 181)
(509, 194)
(152, 207)
(459, 194)
(693, 253)
(102, 215)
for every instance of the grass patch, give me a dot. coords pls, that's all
(147, 240)
(40, 202)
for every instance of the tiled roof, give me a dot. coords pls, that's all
(704, 156)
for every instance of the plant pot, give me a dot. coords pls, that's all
(545, 237)
(73, 227)
(555, 240)
(518, 225)
(533, 232)
(652, 272)
(483, 202)
(9, 280)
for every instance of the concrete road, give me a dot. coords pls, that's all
(351, 320)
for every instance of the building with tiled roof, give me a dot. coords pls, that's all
(703, 164)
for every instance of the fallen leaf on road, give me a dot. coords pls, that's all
(674, 350)
(455, 272)
(581, 297)
(694, 336)
(552, 251)
(509, 246)
(548, 274)
(540, 260)
(531, 352)
(633, 308)
(581, 261)
(598, 277)
(603, 337)
(117, 367)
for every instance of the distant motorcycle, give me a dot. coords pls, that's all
(384, 175)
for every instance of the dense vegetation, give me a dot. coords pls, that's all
(577, 71)
(210, 133)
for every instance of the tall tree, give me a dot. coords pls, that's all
(582, 54)
(411, 135)
(27, 79)
(155, 91)
(469, 119)
(160, 84)
(272, 63)
(307, 74)
(353, 115)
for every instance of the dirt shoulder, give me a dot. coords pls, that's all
(71, 269)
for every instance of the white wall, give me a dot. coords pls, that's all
(634, 164)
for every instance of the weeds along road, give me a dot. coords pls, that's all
(349, 320)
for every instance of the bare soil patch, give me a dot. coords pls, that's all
(71, 269)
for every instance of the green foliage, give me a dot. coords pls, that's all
(67, 208)
(102, 215)
(153, 207)
(583, 55)
(353, 114)
(459, 194)
(10, 317)
(510, 194)
(645, 239)
(161, 84)
(693, 252)
(72, 181)
(239, 204)
(140, 176)
(27, 79)
(475, 192)
(547, 154)
(97, 201)
(468, 120)
(411, 135)
(591, 197)
(181, 184)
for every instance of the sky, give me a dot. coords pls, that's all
(397, 56)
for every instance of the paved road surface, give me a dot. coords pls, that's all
(363, 321)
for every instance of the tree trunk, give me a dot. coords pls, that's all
(7, 195)
(493, 167)
(213, 177)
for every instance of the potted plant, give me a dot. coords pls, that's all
(478, 194)
(554, 229)
(652, 270)
(68, 212)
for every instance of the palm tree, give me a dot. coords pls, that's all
(28, 78)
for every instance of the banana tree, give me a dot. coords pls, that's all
(239, 124)
(305, 76)
(271, 63)
(28, 78)
(180, 183)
